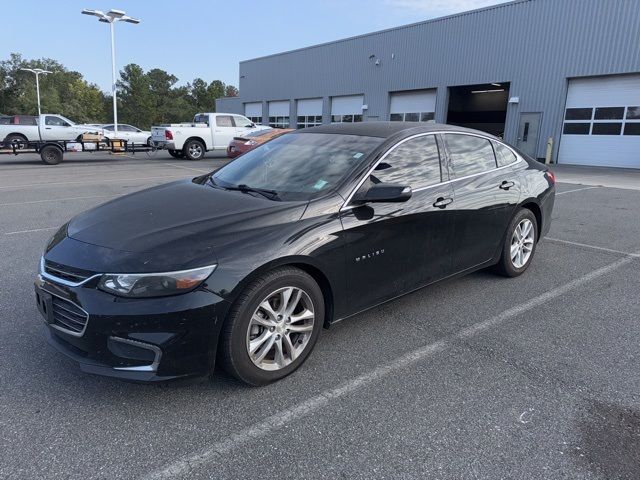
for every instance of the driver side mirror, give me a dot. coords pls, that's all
(383, 193)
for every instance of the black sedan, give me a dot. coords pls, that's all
(246, 265)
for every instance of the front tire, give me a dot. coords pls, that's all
(519, 244)
(194, 150)
(272, 327)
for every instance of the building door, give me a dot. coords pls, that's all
(528, 132)
(602, 122)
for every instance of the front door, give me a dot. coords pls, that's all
(224, 131)
(528, 132)
(393, 248)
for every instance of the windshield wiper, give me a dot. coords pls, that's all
(271, 194)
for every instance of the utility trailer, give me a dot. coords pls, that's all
(52, 151)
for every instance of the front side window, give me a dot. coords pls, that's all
(55, 121)
(504, 156)
(469, 154)
(224, 121)
(241, 121)
(414, 163)
(298, 166)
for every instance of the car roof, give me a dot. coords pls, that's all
(387, 129)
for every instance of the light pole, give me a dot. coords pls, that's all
(111, 17)
(37, 72)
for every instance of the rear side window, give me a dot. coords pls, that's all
(224, 121)
(504, 156)
(415, 163)
(469, 154)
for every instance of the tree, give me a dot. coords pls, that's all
(230, 91)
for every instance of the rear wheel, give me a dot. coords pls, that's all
(176, 153)
(519, 244)
(194, 150)
(272, 327)
(17, 138)
(51, 155)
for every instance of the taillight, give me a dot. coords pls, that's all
(550, 176)
(168, 135)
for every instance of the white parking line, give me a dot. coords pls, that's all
(577, 190)
(50, 200)
(142, 178)
(185, 465)
(590, 247)
(31, 231)
(188, 168)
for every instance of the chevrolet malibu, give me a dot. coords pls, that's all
(246, 265)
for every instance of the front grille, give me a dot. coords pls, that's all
(65, 273)
(68, 316)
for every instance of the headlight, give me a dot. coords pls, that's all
(139, 285)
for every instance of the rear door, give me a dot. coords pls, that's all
(224, 131)
(393, 248)
(480, 216)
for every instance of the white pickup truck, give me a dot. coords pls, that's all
(208, 131)
(44, 127)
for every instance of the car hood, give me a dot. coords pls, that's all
(175, 226)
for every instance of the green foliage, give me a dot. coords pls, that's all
(144, 98)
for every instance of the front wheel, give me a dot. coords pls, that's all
(194, 150)
(519, 244)
(272, 327)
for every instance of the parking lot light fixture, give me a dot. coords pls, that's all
(37, 72)
(111, 17)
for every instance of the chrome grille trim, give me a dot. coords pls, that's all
(62, 281)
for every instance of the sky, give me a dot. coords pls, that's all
(199, 38)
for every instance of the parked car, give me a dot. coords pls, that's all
(208, 131)
(251, 140)
(248, 263)
(51, 127)
(132, 134)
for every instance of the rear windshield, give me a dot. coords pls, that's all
(298, 166)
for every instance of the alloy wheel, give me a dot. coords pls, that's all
(522, 243)
(280, 328)
(195, 150)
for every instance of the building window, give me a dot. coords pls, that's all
(256, 120)
(412, 117)
(602, 121)
(279, 122)
(346, 118)
(309, 121)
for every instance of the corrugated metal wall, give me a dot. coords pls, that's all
(534, 44)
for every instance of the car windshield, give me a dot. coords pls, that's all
(299, 166)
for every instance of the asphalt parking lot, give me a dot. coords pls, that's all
(480, 377)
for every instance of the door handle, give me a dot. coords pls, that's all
(442, 202)
(506, 185)
(47, 128)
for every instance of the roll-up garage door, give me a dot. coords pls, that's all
(309, 112)
(414, 106)
(279, 114)
(253, 111)
(347, 108)
(602, 122)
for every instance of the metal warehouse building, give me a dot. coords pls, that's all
(528, 70)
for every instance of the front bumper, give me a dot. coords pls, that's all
(149, 339)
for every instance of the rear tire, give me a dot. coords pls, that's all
(260, 345)
(194, 150)
(519, 244)
(51, 155)
(176, 153)
(14, 138)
